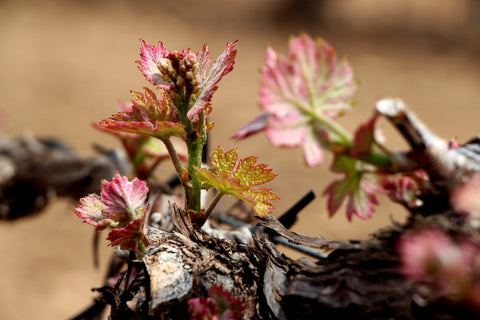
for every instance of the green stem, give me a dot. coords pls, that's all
(378, 159)
(382, 148)
(141, 246)
(174, 157)
(153, 167)
(213, 204)
(196, 138)
(382, 157)
(344, 135)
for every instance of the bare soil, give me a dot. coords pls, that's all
(65, 64)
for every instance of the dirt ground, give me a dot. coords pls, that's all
(65, 64)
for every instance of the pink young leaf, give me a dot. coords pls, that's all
(451, 269)
(240, 179)
(453, 144)
(123, 108)
(355, 187)
(220, 304)
(300, 95)
(230, 307)
(183, 73)
(257, 125)
(426, 253)
(121, 206)
(364, 138)
(466, 198)
(153, 62)
(132, 143)
(127, 237)
(406, 188)
(312, 147)
(203, 309)
(149, 116)
(91, 211)
(124, 200)
(208, 78)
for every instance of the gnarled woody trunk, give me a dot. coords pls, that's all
(356, 280)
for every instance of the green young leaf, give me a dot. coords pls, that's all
(239, 179)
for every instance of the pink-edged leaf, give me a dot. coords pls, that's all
(123, 108)
(230, 307)
(132, 143)
(91, 211)
(453, 144)
(224, 161)
(148, 107)
(141, 147)
(336, 192)
(203, 309)
(300, 94)
(124, 200)
(220, 305)
(364, 138)
(149, 116)
(240, 179)
(251, 174)
(281, 134)
(450, 268)
(312, 148)
(210, 77)
(261, 200)
(466, 198)
(152, 62)
(362, 201)
(121, 206)
(246, 171)
(257, 125)
(355, 188)
(222, 182)
(406, 188)
(128, 237)
(421, 252)
(161, 129)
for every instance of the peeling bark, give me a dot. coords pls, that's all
(34, 171)
(355, 280)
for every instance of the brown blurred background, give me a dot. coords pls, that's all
(64, 64)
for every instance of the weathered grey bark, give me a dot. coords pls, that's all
(35, 171)
(356, 279)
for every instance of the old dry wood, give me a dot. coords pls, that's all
(35, 171)
(357, 280)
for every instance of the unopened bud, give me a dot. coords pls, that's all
(190, 59)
